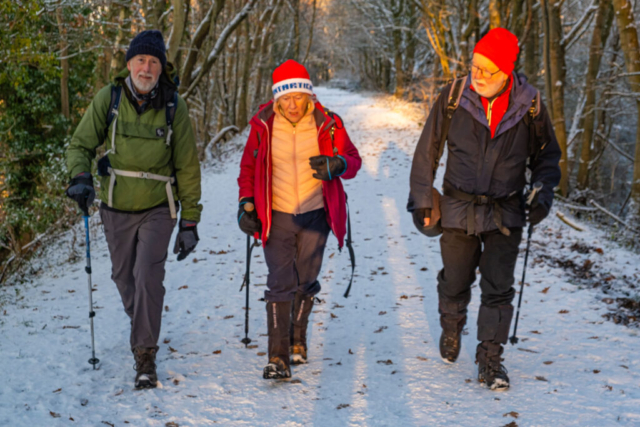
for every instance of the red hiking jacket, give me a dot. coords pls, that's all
(256, 168)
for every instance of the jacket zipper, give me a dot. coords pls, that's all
(295, 172)
(490, 112)
(267, 188)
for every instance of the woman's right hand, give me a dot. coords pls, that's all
(248, 217)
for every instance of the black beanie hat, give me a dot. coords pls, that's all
(149, 42)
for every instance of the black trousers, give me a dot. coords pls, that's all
(294, 254)
(496, 255)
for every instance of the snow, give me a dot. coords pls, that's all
(373, 358)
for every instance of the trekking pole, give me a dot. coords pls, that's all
(535, 188)
(92, 313)
(246, 340)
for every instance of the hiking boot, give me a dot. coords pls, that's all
(276, 369)
(490, 368)
(298, 354)
(453, 317)
(278, 325)
(145, 367)
(302, 306)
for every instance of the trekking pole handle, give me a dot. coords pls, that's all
(249, 207)
(535, 189)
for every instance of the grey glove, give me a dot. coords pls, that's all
(187, 239)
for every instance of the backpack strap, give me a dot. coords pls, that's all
(170, 113)
(536, 144)
(455, 93)
(112, 114)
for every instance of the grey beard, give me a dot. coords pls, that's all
(138, 96)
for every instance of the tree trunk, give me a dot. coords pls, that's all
(180, 8)
(398, 50)
(118, 61)
(631, 48)
(311, 25)
(494, 13)
(64, 64)
(531, 44)
(604, 19)
(243, 95)
(556, 70)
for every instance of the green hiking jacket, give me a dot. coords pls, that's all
(139, 149)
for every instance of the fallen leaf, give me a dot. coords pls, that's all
(195, 260)
(228, 317)
(511, 424)
(262, 353)
(57, 391)
(343, 405)
(424, 269)
(563, 311)
(84, 402)
(545, 290)
(333, 316)
(513, 414)
(172, 350)
(176, 381)
(382, 313)
(404, 297)
(217, 352)
(541, 378)
(535, 332)
(166, 308)
(350, 352)
(382, 328)
(54, 415)
(468, 380)
(71, 419)
(167, 340)
(119, 392)
(171, 424)
(548, 362)
(250, 347)
(386, 362)
(596, 371)
(424, 359)
(296, 381)
(191, 396)
(183, 287)
(608, 387)
(108, 423)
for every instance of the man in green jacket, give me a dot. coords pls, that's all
(150, 164)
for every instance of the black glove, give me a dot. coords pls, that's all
(418, 217)
(537, 213)
(327, 167)
(187, 238)
(81, 190)
(248, 221)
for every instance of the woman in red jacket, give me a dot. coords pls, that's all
(291, 171)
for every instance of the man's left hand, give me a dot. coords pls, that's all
(187, 239)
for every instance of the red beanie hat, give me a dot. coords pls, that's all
(500, 46)
(291, 77)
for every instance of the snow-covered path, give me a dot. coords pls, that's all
(373, 357)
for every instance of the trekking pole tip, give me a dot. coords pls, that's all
(246, 341)
(513, 340)
(94, 361)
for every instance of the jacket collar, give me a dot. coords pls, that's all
(266, 114)
(519, 102)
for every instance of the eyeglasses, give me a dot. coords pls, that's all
(486, 74)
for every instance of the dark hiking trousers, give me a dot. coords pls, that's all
(138, 245)
(294, 254)
(496, 255)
